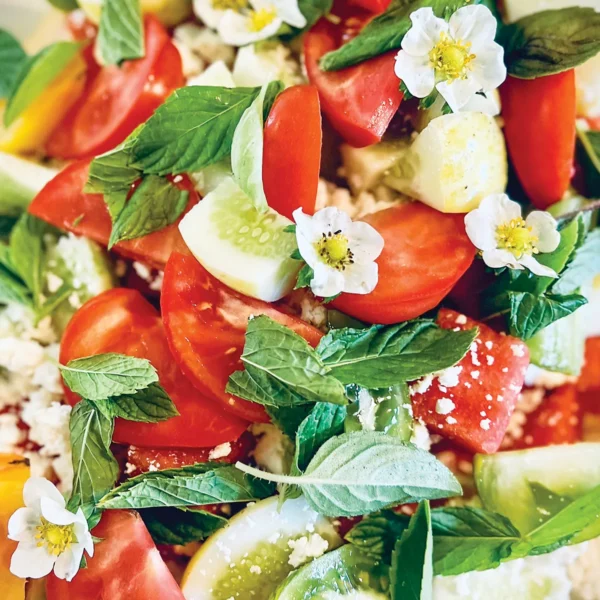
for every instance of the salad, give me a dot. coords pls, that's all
(299, 299)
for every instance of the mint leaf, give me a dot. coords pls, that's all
(12, 290)
(65, 5)
(105, 375)
(155, 203)
(550, 41)
(121, 31)
(411, 575)
(193, 129)
(382, 356)
(288, 418)
(12, 58)
(305, 276)
(584, 266)
(313, 10)
(95, 468)
(588, 152)
(530, 314)
(149, 405)
(282, 369)
(376, 534)
(208, 483)
(341, 479)
(36, 74)
(179, 526)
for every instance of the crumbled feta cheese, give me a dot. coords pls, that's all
(305, 548)
(367, 409)
(449, 377)
(10, 433)
(204, 43)
(420, 436)
(421, 385)
(518, 350)
(461, 320)
(489, 359)
(485, 424)
(53, 282)
(475, 374)
(451, 420)
(273, 450)
(220, 451)
(255, 569)
(444, 406)
(257, 65)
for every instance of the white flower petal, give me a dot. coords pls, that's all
(234, 29)
(30, 560)
(458, 92)
(36, 488)
(327, 281)
(416, 73)
(365, 242)
(424, 33)
(22, 524)
(306, 237)
(289, 12)
(535, 267)
(481, 223)
(55, 513)
(331, 219)
(497, 259)
(543, 226)
(361, 279)
(67, 564)
(475, 24)
(488, 67)
(484, 102)
(205, 11)
(501, 208)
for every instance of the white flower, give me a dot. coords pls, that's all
(341, 253)
(506, 239)
(210, 12)
(262, 21)
(458, 58)
(49, 536)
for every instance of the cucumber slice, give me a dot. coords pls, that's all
(503, 479)
(246, 250)
(20, 181)
(345, 573)
(251, 556)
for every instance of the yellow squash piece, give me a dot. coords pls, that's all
(29, 132)
(14, 471)
(168, 12)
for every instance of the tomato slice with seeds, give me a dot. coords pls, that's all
(205, 323)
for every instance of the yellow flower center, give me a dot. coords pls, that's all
(56, 538)
(236, 5)
(259, 19)
(451, 58)
(517, 238)
(333, 249)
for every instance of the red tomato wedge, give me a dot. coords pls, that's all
(126, 565)
(292, 151)
(539, 125)
(374, 6)
(425, 254)
(476, 411)
(123, 321)
(120, 98)
(361, 100)
(588, 384)
(205, 323)
(62, 203)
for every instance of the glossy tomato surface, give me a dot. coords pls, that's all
(120, 98)
(292, 151)
(63, 203)
(361, 100)
(126, 565)
(374, 6)
(122, 321)
(205, 323)
(425, 254)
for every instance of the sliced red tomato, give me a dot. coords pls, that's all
(62, 203)
(539, 125)
(126, 565)
(588, 384)
(120, 98)
(361, 100)
(476, 411)
(425, 254)
(292, 151)
(374, 6)
(205, 323)
(123, 321)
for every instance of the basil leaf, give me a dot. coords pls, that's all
(282, 369)
(376, 534)
(111, 172)
(65, 5)
(36, 75)
(341, 479)
(411, 575)
(94, 466)
(209, 483)
(149, 405)
(383, 356)
(288, 418)
(179, 526)
(588, 152)
(105, 375)
(121, 31)
(550, 41)
(12, 291)
(584, 266)
(305, 276)
(530, 314)
(12, 58)
(155, 204)
(313, 10)
(193, 129)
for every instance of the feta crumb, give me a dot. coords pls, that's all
(444, 406)
(53, 282)
(518, 350)
(449, 377)
(420, 436)
(255, 569)
(305, 548)
(489, 344)
(461, 320)
(475, 374)
(273, 450)
(220, 451)
(490, 359)
(485, 424)
(451, 420)
(421, 386)
(367, 409)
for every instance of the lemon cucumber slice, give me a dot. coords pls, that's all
(250, 557)
(247, 250)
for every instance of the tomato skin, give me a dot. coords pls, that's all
(126, 565)
(63, 203)
(588, 385)
(292, 151)
(120, 98)
(361, 100)
(205, 323)
(374, 6)
(121, 320)
(479, 418)
(539, 125)
(424, 255)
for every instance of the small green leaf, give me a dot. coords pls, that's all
(12, 291)
(305, 276)
(179, 526)
(149, 405)
(12, 58)
(288, 418)
(121, 31)
(376, 534)
(65, 5)
(583, 267)
(589, 157)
